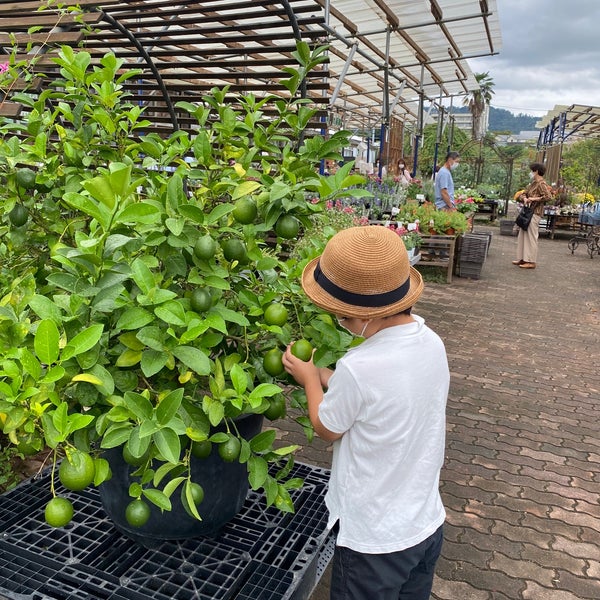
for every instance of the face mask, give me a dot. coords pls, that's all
(454, 166)
(531, 175)
(340, 321)
(401, 166)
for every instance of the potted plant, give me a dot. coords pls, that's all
(143, 311)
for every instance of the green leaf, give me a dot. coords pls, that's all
(85, 340)
(101, 471)
(168, 444)
(44, 308)
(142, 275)
(134, 318)
(245, 189)
(153, 361)
(157, 498)
(193, 359)
(46, 342)
(239, 379)
(232, 316)
(138, 213)
(99, 187)
(217, 213)
(172, 485)
(30, 363)
(162, 472)
(171, 312)
(169, 406)
(116, 435)
(258, 470)
(264, 390)
(192, 212)
(283, 501)
(55, 373)
(139, 405)
(263, 441)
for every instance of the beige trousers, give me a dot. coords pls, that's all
(527, 242)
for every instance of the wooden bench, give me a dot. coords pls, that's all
(438, 251)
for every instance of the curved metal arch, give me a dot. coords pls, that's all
(151, 66)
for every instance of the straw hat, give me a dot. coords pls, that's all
(363, 272)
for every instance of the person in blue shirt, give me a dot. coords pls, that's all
(444, 184)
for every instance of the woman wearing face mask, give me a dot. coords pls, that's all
(536, 194)
(403, 173)
(444, 184)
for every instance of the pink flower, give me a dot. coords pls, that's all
(3, 67)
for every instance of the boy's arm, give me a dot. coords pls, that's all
(309, 377)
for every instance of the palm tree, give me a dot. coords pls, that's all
(478, 100)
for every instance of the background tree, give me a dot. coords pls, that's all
(478, 100)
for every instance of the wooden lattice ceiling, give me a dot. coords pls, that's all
(183, 48)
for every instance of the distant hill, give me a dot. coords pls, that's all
(504, 120)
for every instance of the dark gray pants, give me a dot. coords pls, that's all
(404, 575)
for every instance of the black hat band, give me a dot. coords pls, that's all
(366, 300)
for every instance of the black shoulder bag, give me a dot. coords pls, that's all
(524, 217)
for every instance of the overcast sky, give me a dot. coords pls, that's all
(550, 55)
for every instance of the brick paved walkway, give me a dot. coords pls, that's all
(521, 483)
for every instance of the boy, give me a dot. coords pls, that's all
(384, 409)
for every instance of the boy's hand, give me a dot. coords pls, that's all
(300, 370)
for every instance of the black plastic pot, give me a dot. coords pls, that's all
(225, 490)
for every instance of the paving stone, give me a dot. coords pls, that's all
(521, 479)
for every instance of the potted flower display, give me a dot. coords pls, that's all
(144, 313)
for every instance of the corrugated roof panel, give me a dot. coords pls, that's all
(429, 44)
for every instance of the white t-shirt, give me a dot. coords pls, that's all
(388, 397)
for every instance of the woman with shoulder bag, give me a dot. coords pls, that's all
(536, 194)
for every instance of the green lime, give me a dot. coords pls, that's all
(205, 247)
(234, 249)
(276, 314)
(58, 512)
(18, 215)
(201, 449)
(277, 408)
(137, 513)
(130, 459)
(272, 362)
(26, 178)
(230, 450)
(287, 227)
(197, 493)
(244, 211)
(201, 300)
(76, 471)
(302, 349)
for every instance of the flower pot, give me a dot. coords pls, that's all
(225, 490)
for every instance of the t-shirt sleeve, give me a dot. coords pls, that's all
(343, 402)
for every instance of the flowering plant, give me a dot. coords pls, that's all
(467, 195)
(410, 234)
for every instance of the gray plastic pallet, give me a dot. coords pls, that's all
(262, 554)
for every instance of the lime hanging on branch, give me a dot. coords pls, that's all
(205, 247)
(18, 215)
(234, 249)
(272, 363)
(26, 178)
(287, 227)
(245, 211)
(276, 314)
(302, 349)
(58, 512)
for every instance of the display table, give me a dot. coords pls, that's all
(488, 208)
(553, 221)
(262, 554)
